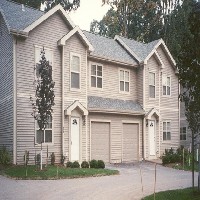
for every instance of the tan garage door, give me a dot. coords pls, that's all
(130, 142)
(100, 141)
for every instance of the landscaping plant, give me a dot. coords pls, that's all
(84, 164)
(93, 164)
(69, 164)
(75, 164)
(100, 164)
(4, 156)
(53, 158)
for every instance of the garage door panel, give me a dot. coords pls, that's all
(130, 142)
(100, 141)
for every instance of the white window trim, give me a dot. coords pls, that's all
(75, 89)
(90, 67)
(185, 133)
(127, 70)
(152, 98)
(166, 76)
(167, 141)
(45, 143)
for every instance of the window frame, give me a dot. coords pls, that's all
(166, 131)
(90, 74)
(77, 55)
(152, 85)
(183, 133)
(165, 77)
(124, 70)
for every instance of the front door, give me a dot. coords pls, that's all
(152, 138)
(75, 138)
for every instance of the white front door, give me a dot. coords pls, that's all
(75, 138)
(152, 138)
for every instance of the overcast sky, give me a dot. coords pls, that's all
(88, 10)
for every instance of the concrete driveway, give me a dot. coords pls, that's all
(126, 186)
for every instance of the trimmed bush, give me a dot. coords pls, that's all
(4, 156)
(75, 164)
(62, 160)
(53, 158)
(69, 164)
(93, 164)
(84, 164)
(101, 164)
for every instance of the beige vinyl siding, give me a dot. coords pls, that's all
(111, 82)
(116, 131)
(46, 34)
(6, 87)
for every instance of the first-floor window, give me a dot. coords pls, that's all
(183, 133)
(166, 130)
(44, 136)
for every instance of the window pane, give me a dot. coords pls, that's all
(121, 85)
(93, 70)
(99, 70)
(38, 66)
(164, 135)
(121, 75)
(152, 91)
(93, 81)
(151, 78)
(126, 76)
(48, 135)
(168, 126)
(75, 63)
(184, 129)
(164, 126)
(168, 81)
(99, 82)
(40, 136)
(127, 86)
(168, 90)
(168, 136)
(74, 80)
(164, 90)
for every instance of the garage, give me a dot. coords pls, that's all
(100, 141)
(130, 142)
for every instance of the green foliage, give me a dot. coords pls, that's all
(38, 159)
(101, 164)
(53, 158)
(5, 158)
(62, 159)
(26, 157)
(93, 164)
(84, 164)
(75, 164)
(69, 164)
(34, 4)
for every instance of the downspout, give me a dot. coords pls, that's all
(144, 120)
(14, 100)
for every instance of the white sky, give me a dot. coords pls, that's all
(88, 10)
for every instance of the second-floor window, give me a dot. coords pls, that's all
(183, 133)
(124, 80)
(96, 76)
(166, 86)
(166, 130)
(152, 87)
(75, 71)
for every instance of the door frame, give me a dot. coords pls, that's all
(152, 120)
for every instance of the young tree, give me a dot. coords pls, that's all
(189, 73)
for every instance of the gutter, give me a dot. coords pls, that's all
(17, 32)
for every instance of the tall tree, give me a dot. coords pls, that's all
(189, 73)
(68, 5)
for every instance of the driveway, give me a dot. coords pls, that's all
(126, 186)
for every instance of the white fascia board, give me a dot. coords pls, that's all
(127, 48)
(75, 105)
(47, 15)
(62, 41)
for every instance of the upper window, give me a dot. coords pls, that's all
(152, 87)
(124, 80)
(44, 136)
(75, 71)
(96, 75)
(183, 132)
(166, 130)
(166, 86)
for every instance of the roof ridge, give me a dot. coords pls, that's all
(99, 35)
(24, 5)
(132, 39)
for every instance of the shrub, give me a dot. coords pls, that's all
(93, 164)
(38, 159)
(26, 157)
(53, 158)
(69, 164)
(101, 164)
(84, 164)
(62, 159)
(4, 156)
(75, 164)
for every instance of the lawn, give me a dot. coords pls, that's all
(54, 172)
(183, 194)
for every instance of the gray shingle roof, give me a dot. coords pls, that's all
(140, 49)
(108, 48)
(100, 103)
(15, 17)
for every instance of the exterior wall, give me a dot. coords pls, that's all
(116, 122)
(6, 87)
(111, 82)
(139, 83)
(46, 34)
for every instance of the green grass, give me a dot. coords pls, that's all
(186, 167)
(183, 194)
(20, 172)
